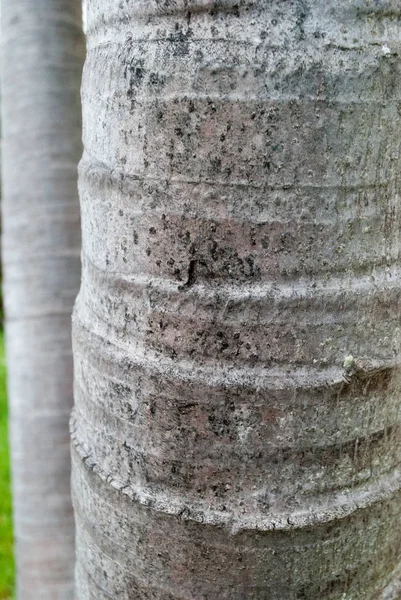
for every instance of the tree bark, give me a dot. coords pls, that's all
(42, 56)
(237, 333)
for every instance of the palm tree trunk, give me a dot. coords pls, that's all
(42, 55)
(237, 334)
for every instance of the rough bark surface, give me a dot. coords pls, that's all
(236, 429)
(42, 56)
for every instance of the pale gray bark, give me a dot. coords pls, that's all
(42, 54)
(236, 428)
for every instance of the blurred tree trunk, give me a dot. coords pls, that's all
(237, 334)
(42, 55)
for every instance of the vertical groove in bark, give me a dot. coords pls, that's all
(42, 56)
(236, 429)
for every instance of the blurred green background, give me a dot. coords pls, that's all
(6, 537)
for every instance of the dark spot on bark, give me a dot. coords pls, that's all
(213, 251)
(301, 594)
(184, 513)
(138, 73)
(219, 425)
(215, 164)
(180, 40)
(130, 412)
(302, 15)
(157, 79)
(192, 268)
(135, 72)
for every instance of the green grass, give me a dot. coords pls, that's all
(6, 536)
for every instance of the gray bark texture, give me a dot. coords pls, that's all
(236, 431)
(42, 55)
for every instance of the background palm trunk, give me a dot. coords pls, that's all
(42, 55)
(237, 333)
